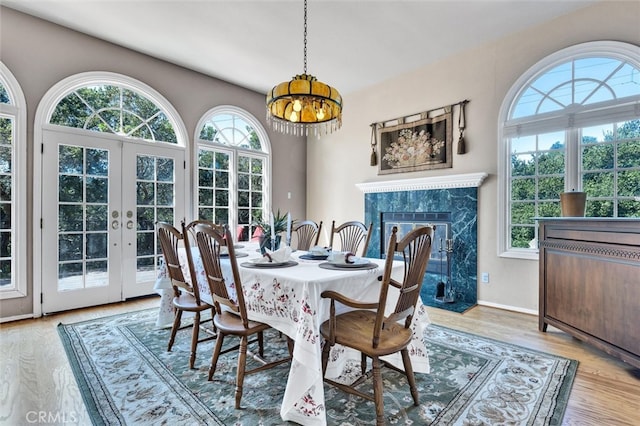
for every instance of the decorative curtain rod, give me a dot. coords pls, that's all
(419, 115)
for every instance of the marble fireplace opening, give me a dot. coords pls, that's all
(451, 204)
(405, 222)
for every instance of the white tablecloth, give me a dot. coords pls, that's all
(288, 299)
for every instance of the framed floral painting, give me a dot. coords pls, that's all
(424, 144)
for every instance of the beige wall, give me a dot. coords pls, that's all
(40, 54)
(484, 76)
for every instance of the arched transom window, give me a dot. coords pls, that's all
(572, 122)
(114, 109)
(233, 170)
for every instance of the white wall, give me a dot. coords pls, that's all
(483, 75)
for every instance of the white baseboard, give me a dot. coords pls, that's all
(508, 307)
(16, 318)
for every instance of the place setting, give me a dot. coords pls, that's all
(317, 253)
(224, 251)
(345, 261)
(280, 258)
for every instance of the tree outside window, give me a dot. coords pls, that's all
(572, 124)
(232, 176)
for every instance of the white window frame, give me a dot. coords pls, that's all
(571, 119)
(18, 111)
(45, 109)
(233, 181)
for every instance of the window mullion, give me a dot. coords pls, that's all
(572, 180)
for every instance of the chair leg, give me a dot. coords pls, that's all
(325, 357)
(194, 340)
(213, 324)
(363, 363)
(377, 391)
(261, 344)
(290, 346)
(174, 328)
(216, 355)
(242, 361)
(408, 370)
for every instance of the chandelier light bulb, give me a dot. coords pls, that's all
(294, 116)
(297, 105)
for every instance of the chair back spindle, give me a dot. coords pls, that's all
(210, 241)
(308, 234)
(170, 241)
(352, 235)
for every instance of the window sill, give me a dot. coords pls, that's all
(520, 254)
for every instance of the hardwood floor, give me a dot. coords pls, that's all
(37, 386)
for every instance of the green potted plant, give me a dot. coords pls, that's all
(279, 226)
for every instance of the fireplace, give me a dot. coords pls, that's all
(450, 201)
(406, 221)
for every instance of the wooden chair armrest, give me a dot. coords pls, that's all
(395, 283)
(347, 301)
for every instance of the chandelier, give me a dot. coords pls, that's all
(304, 103)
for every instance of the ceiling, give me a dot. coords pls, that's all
(258, 44)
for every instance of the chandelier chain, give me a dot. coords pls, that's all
(305, 36)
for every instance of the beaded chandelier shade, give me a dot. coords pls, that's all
(304, 103)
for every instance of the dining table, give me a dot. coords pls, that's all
(289, 300)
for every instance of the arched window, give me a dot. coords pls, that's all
(233, 172)
(114, 109)
(572, 122)
(13, 148)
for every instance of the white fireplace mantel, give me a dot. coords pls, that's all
(468, 180)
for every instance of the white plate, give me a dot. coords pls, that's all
(358, 263)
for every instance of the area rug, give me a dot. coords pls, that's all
(127, 377)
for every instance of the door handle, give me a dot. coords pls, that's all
(115, 224)
(130, 224)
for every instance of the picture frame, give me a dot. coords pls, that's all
(424, 144)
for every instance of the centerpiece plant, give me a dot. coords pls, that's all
(279, 227)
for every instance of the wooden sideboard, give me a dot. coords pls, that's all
(590, 282)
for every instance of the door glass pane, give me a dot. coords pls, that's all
(155, 185)
(83, 189)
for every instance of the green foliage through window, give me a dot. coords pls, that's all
(572, 127)
(114, 109)
(231, 173)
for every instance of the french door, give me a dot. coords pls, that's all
(101, 198)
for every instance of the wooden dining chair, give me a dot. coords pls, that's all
(308, 234)
(186, 297)
(352, 234)
(231, 317)
(368, 330)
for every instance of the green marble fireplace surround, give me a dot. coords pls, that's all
(451, 203)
